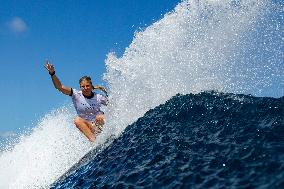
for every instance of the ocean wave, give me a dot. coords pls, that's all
(205, 140)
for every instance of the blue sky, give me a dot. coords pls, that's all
(75, 35)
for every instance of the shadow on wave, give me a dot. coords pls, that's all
(200, 140)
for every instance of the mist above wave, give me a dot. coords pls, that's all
(229, 46)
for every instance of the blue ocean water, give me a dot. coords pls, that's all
(205, 140)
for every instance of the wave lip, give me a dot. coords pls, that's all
(200, 140)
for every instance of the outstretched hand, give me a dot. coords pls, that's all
(49, 67)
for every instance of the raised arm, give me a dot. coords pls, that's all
(56, 82)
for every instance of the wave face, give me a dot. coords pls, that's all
(206, 140)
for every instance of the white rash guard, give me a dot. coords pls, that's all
(88, 107)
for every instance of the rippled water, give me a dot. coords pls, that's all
(206, 140)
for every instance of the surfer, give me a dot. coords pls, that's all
(90, 119)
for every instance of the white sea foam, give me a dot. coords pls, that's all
(202, 45)
(44, 154)
(229, 46)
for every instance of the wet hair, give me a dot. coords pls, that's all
(88, 79)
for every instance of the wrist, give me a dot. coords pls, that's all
(52, 74)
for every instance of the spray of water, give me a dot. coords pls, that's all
(46, 153)
(230, 46)
(202, 45)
